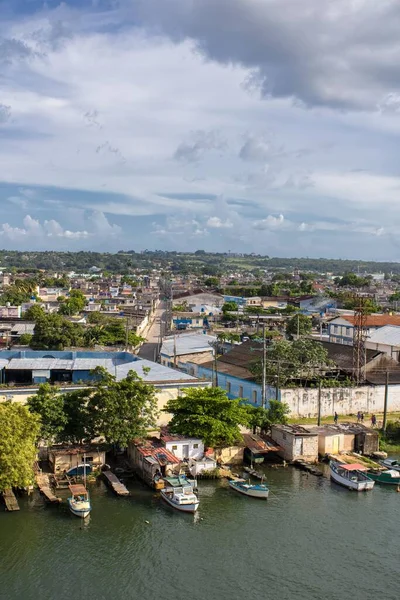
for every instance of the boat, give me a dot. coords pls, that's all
(351, 476)
(179, 494)
(390, 463)
(79, 470)
(388, 476)
(79, 503)
(258, 490)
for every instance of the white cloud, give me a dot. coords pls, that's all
(217, 223)
(270, 222)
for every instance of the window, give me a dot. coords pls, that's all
(240, 391)
(195, 446)
(174, 447)
(228, 387)
(255, 396)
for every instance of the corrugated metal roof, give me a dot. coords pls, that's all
(187, 344)
(20, 328)
(34, 364)
(389, 335)
(157, 372)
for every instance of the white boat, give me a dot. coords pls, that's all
(79, 502)
(390, 463)
(258, 490)
(351, 476)
(178, 492)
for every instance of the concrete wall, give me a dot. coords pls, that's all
(296, 446)
(176, 447)
(303, 402)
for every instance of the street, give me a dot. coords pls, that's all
(150, 348)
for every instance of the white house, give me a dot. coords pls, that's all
(341, 328)
(181, 446)
(387, 340)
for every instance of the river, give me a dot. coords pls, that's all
(310, 540)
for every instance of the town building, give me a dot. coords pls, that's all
(341, 328)
(65, 458)
(182, 447)
(296, 442)
(22, 371)
(385, 339)
(150, 458)
(186, 350)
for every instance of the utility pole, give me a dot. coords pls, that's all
(174, 351)
(386, 401)
(264, 370)
(298, 325)
(319, 402)
(278, 381)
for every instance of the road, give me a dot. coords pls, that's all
(150, 348)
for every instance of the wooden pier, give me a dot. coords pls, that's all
(43, 483)
(114, 483)
(10, 500)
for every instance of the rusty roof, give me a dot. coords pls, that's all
(78, 489)
(153, 447)
(259, 444)
(374, 320)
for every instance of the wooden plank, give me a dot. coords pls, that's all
(10, 500)
(43, 483)
(114, 483)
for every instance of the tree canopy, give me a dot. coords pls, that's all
(54, 332)
(48, 403)
(263, 418)
(288, 361)
(207, 414)
(299, 325)
(122, 410)
(19, 432)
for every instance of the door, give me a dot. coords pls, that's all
(298, 447)
(185, 451)
(335, 444)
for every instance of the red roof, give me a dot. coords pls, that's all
(354, 467)
(375, 320)
(157, 451)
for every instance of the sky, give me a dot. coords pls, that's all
(266, 126)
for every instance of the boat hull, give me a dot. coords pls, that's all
(358, 486)
(189, 508)
(384, 479)
(252, 491)
(81, 509)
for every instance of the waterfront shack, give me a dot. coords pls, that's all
(331, 440)
(296, 442)
(258, 449)
(64, 458)
(182, 447)
(152, 461)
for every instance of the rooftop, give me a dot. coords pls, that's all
(388, 334)
(189, 343)
(154, 449)
(373, 320)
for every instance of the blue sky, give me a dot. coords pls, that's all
(225, 125)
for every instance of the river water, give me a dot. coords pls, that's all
(310, 540)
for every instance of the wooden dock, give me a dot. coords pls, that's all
(43, 483)
(10, 500)
(114, 483)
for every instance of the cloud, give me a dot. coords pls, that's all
(217, 223)
(33, 230)
(270, 222)
(342, 54)
(199, 144)
(259, 150)
(5, 113)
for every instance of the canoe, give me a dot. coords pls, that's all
(388, 477)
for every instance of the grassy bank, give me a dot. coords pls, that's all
(345, 419)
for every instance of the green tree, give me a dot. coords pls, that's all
(19, 432)
(299, 325)
(54, 332)
(34, 313)
(48, 403)
(229, 307)
(25, 339)
(303, 359)
(80, 420)
(207, 414)
(94, 318)
(122, 410)
(262, 418)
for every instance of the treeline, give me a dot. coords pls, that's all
(201, 262)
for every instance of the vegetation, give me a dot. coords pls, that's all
(262, 418)
(54, 332)
(208, 414)
(34, 313)
(74, 304)
(49, 405)
(299, 325)
(304, 359)
(19, 432)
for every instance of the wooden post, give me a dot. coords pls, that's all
(386, 402)
(278, 382)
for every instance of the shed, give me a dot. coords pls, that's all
(296, 442)
(330, 440)
(151, 461)
(64, 458)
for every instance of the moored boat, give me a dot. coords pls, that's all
(79, 502)
(351, 476)
(179, 494)
(258, 490)
(387, 477)
(390, 463)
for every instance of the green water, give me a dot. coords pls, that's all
(310, 540)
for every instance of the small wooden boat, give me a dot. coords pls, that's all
(80, 470)
(79, 502)
(351, 476)
(258, 490)
(390, 463)
(179, 494)
(388, 477)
